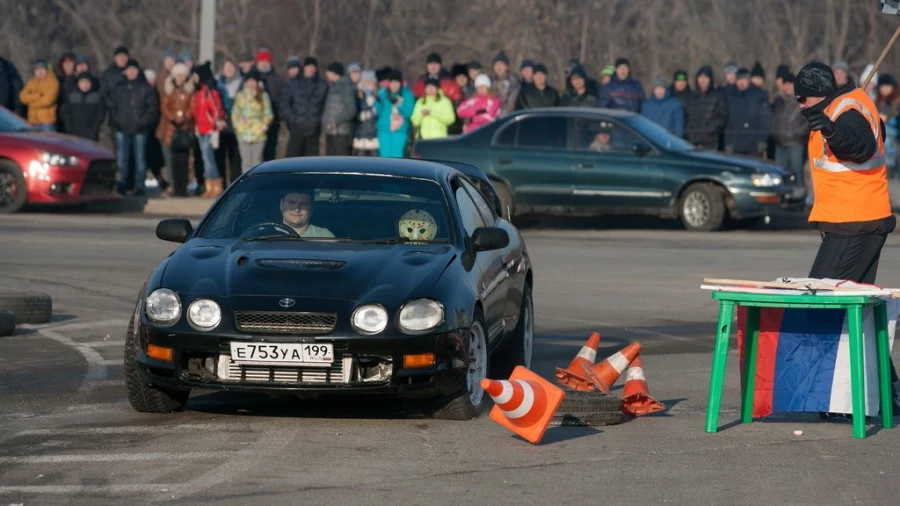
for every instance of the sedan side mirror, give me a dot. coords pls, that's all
(174, 230)
(490, 238)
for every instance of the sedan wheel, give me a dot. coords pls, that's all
(477, 364)
(12, 188)
(702, 208)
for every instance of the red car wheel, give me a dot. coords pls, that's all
(13, 189)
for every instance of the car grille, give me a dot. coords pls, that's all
(338, 373)
(284, 323)
(100, 178)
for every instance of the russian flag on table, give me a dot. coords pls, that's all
(803, 359)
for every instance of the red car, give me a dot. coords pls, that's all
(49, 168)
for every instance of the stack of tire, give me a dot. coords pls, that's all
(23, 307)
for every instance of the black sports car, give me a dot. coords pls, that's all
(337, 275)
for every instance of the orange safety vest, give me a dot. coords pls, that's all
(845, 191)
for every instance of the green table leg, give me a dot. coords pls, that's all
(857, 376)
(884, 366)
(720, 356)
(748, 378)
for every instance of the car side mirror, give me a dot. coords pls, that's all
(490, 238)
(174, 230)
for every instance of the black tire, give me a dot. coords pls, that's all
(459, 406)
(590, 409)
(507, 202)
(13, 188)
(146, 398)
(29, 307)
(7, 323)
(515, 353)
(702, 207)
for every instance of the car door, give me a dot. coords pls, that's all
(492, 283)
(615, 168)
(532, 153)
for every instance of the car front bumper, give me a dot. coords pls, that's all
(370, 365)
(767, 201)
(90, 182)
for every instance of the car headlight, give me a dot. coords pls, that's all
(59, 160)
(369, 319)
(163, 307)
(204, 314)
(767, 179)
(421, 315)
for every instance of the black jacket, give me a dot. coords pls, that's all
(749, 121)
(10, 86)
(302, 103)
(531, 97)
(571, 99)
(134, 107)
(83, 113)
(275, 86)
(705, 117)
(109, 79)
(789, 127)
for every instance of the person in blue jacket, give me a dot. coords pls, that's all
(395, 107)
(664, 109)
(623, 92)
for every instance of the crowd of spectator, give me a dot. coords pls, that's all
(195, 130)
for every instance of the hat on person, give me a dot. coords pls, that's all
(680, 75)
(475, 65)
(731, 67)
(381, 73)
(168, 53)
(82, 59)
(253, 74)
(815, 79)
(68, 55)
(39, 63)
(394, 75)
(433, 58)
(186, 55)
(121, 50)
(309, 60)
(608, 70)
(336, 67)
(133, 63)
(180, 69)
(459, 69)
(705, 70)
(781, 71)
(247, 56)
(432, 81)
(604, 127)
(659, 82)
(540, 67)
(578, 71)
(367, 75)
(149, 74)
(887, 79)
(841, 65)
(757, 71)
(482, 80)
(622, 61)
(788, 77)
(354, 67)
(85, 75)
(527, 64)
(204, 72)
(742, 73)
(264, 55)
(501, 57)
(293, 62)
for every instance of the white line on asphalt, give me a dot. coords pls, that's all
(103, 344)
(119, 457)
(76, 326)
(84, 489)
(111, 362)
(96, 370)
(134, 429)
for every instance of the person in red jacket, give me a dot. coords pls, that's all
(209, 117)
(435, 70)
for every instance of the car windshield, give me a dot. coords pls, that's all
(658, 135)
(9, 122)
(332, 208)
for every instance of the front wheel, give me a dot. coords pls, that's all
(702, 208)
(468, 403)
(144, 397)
(13, 188)
(521, 347)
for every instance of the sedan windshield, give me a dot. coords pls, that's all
(9, 122)
(332, 208)
(658, 135)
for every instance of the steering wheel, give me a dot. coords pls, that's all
(269, 228)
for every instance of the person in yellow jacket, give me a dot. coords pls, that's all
(433, 113)
(39, 95)
(852, 206)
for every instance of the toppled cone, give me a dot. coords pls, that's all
(636, 400)
(524, 404)
(574, 376)
(604, 375)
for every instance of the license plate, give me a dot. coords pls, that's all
(302, 354)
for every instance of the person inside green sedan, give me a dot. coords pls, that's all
(602, 139)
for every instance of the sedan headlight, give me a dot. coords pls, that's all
(59, 160)
(421, 315)
(204, 314)
(163, 307)
(369, 319)
(767, 179)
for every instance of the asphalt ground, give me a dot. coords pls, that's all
(68, 435)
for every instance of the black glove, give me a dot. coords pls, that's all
(818, 120)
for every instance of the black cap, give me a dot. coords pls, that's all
(540, 67)
(336, 67)
(527, 63)
(432, 81)
(82, 59)
(394, 75)
(886, 79)
(622, 61)
(121, 50)
(253, 74)
(381, 73)
(309, 60)
(742, 73)
(434, 58)
(782, 71)
(85, 75)
(578, 71)
(293, 62)
(204, 72)
(788, 77)
(757, 71)
(815, 79)
(133, 63)
(459, 69)
(501, 56)
(705, 70)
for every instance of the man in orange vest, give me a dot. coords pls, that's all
(852, 207)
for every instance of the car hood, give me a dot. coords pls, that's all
(360, 273)
(61, 144)
(744, 162)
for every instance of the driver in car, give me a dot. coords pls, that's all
(297, 210)
(602, 139)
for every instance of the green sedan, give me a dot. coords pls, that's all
(591, 162)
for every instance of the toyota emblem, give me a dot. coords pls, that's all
(286, 302)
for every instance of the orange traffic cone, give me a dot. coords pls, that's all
(524, 404)
(636, 400)
(573, 376)
(605, 374)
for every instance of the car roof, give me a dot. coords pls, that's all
(576, 111)
(401, 167)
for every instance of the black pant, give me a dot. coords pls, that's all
(338, 145)
(851, 257)
(180, 163)
(270, 150)
(199, 169)
(228, 159)
(303, 145)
